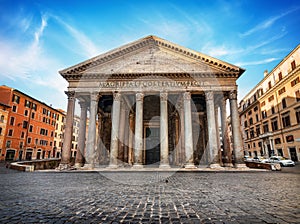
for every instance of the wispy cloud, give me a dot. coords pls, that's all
(264, 61)
(87, 47)
(267, 23)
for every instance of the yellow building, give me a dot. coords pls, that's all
(58, 135)
(270, 112)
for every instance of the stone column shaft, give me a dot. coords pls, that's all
(212, 134)
(188, 131)
(226, 148)
(121, 134)
(164, 143)
(113, 160)
(236, 133)
(138, 141)
(79, 160)
(66, 150)
(91, 140)
(130, 139)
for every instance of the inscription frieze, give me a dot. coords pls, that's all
(151, 83)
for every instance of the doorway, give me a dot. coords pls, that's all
(293, 154)
(152, 146)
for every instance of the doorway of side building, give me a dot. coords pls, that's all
(293, 154)
(10, 155)
(28, 155)
(152, 145)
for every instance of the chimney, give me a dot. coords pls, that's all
(265, 73)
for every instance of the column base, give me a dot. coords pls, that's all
(241, 166)
(112, 166)
(228, 164)
(88, 166)
(78, 165)
(137, 166)
(190, 166)
(63, 166)
(215, 166)
(164, 166)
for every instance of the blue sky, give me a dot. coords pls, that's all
(39, 38)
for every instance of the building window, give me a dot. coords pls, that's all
(266, 127)
(254, 145)
(282, 90)
(30, 128)
(28, 140)
(26, 112)
(279, 152)
(8, 144)
(16, 99)
(295, 81)
(279, 76)
(247, 134)
(257, 130)
(289, 138)
(22, 134)
(264, 114)
(32, 115)
(12, 121)
(34, 107)
(255, 108)
(14, 108)
(286, 122)
(249, 113)
(27, 104)
(25, 124)
(21, 145)
(297, 95)
(269, 85)
(298, 116)
(252, 133)
(10, 133)
(274, 124)
(277, 141)
(273, 110)
(293, 65)
(251, 121)
(256, 116)
(271, 98)
(283, 103)
(0, 130)
(245, 124)
(263, 104)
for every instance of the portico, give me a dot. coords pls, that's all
(152, 103)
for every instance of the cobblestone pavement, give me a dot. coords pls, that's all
(149, 197)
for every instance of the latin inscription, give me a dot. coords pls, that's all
(149, 84)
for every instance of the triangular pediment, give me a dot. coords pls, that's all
(152, 55)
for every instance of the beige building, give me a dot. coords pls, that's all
(270, 112)
(156, 104)
(58, 135)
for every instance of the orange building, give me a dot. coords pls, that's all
(30, 127)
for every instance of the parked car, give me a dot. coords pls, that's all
(280, 160)
(258, 158)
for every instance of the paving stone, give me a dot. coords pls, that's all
(233, 198)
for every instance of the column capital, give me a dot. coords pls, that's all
(163, 96)
(95, 96)
(139, 96)
(117, 96)
(187, 96)
(70, 94)
(83, 104)
(233, 95)
(209, 95)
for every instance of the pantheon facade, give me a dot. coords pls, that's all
(153, 103)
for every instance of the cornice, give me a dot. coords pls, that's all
(148, 41)
(122, 76)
